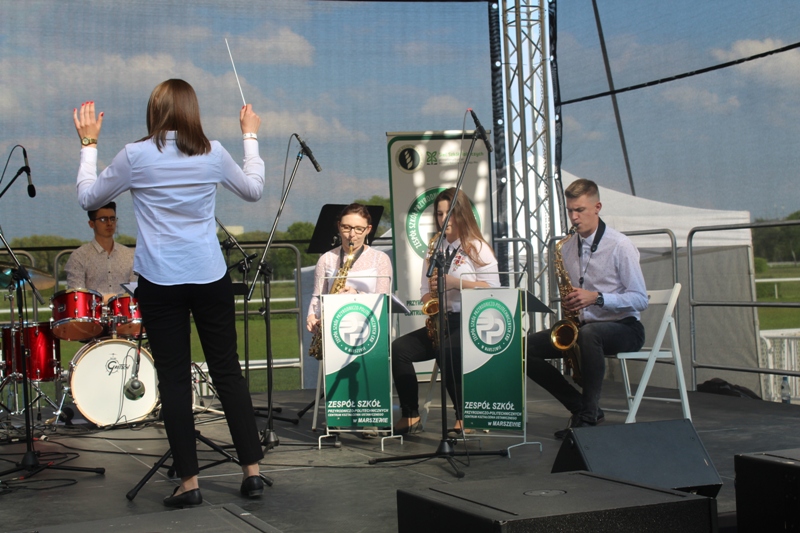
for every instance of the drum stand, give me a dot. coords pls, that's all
(30, 461)
(171, 470)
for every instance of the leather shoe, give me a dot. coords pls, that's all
(459, 432)
(575, 421)
(252, 487)
(190, 497)
(406, 426)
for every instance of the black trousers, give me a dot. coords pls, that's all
(415, 347)
(165, 315)
(595, 339)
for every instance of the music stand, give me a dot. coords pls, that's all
(326, 237)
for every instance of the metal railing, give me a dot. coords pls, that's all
(776, 281)
(694, 302)
(290, 362)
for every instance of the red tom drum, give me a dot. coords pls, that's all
(123, 312)
(45, 360)
(77, 314)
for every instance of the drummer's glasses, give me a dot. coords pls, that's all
(106, 220)
(357, 229)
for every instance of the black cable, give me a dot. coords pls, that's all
(3, 174)
(684, 75)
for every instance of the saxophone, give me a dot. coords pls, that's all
(564, 333)
(315, 350)
(431, 307)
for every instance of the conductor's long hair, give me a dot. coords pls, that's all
(463, 219)
(173, 106)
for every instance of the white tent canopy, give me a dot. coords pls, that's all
(626, 213)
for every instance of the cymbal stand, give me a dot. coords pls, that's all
(445, 449)
(30, 461)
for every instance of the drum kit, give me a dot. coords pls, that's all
(96, 377)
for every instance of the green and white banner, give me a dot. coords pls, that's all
(358, 383)
(421, 165)
(493, 358)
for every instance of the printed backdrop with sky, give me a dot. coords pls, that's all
(342, 74)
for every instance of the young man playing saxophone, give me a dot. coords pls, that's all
(608, 293)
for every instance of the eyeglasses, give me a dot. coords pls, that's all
(105, 220)
(358, 229)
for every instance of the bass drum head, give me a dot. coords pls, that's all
(98, 375)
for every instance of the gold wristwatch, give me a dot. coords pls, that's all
(86, 141)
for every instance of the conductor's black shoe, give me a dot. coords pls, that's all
(575, 421)
(252, 487)
(190, 497)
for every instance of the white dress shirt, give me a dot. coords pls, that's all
(174, 198)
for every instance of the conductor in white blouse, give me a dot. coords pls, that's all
(173, 175)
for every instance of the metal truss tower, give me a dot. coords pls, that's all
(532, 202)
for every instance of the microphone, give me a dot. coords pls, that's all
(31, 188)
(307, 151)
(134, 389)
(481, 131)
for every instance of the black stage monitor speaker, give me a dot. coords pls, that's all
(665, 454)
(578, 502)
(767, 491)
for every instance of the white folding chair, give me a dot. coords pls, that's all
(668, 298)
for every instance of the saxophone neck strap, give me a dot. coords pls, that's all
(601, 229)
(343, 256)
(449, 256)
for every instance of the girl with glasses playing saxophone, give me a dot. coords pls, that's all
(355, 225)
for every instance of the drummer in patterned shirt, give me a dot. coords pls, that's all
(102, 264)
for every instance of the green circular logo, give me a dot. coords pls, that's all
(355, 329)
(491, 326)
(416, 239)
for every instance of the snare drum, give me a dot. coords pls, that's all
(124, 315)
(97, 378)
(77, 314)
(45, 350)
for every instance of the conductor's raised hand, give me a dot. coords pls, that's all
(87, 123)
(249, 121)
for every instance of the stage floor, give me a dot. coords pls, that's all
(333, 488)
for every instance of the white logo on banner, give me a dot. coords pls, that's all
(354, 329)
(491, 326)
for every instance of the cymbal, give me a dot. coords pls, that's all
(41, 279)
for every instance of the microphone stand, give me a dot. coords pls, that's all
(30, 461)
(244, 267)
(445, 449)
(268, 437)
